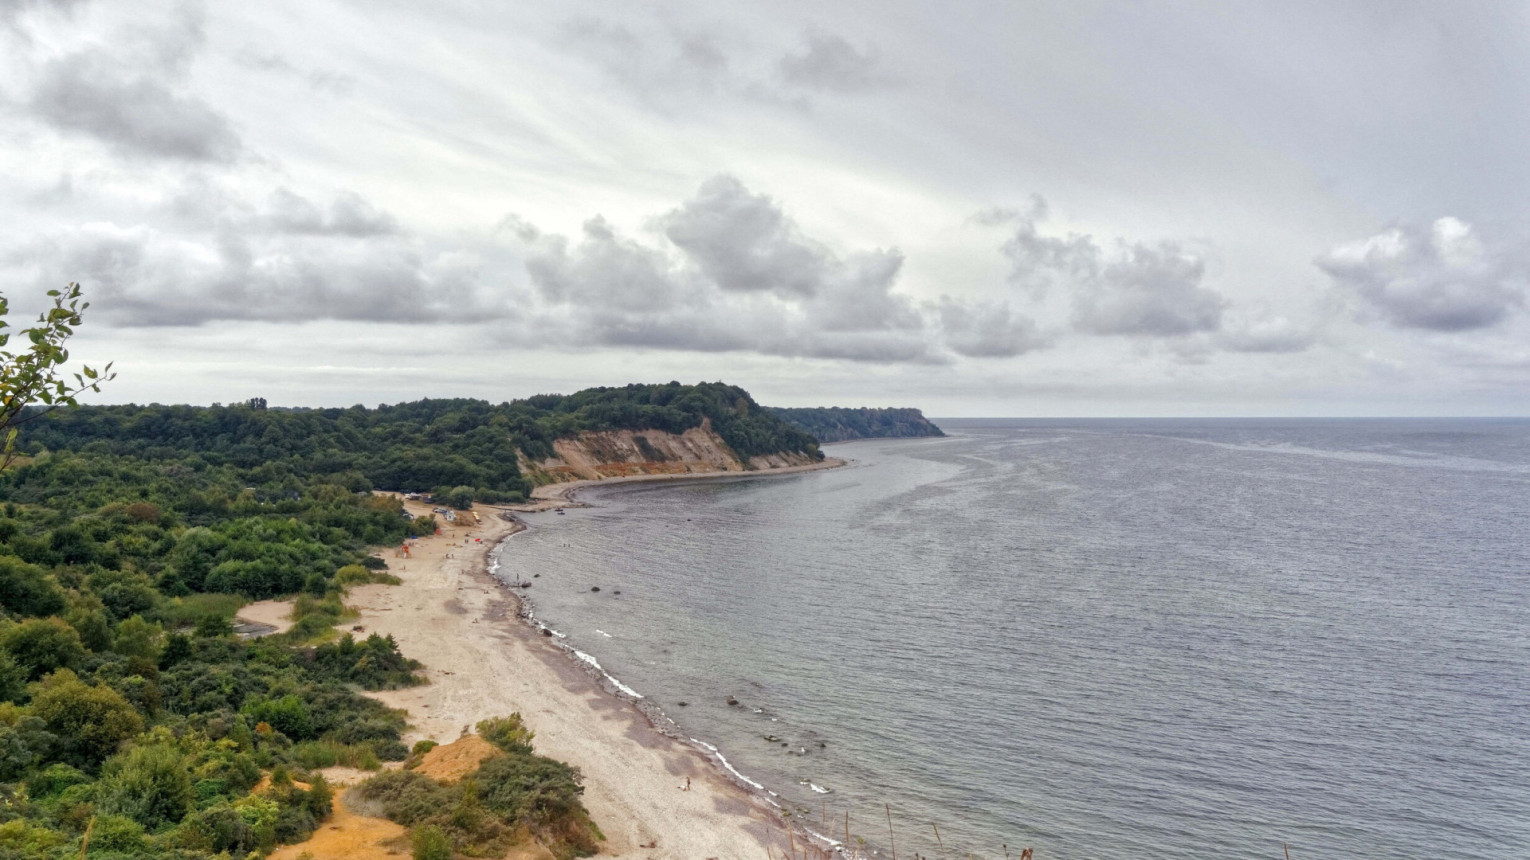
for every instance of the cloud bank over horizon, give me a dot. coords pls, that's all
(805, 203)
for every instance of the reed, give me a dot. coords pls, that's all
(892, 843)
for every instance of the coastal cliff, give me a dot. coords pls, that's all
(839, 424)
(626, 453)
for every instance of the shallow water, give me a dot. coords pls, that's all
(1103, 639)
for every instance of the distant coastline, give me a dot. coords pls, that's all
(843, 424)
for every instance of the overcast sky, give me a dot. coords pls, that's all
(978, 208)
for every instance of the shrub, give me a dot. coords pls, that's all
(20, 839)
(53, 780)
(13, 679)
(118, 834)
(150, 784)
(42, 645)
(90, 722)
(508, 733)
(24, 743)
(406, 797)
(374, 663)
(431, 843)
(530, 789)
(288, 715)
(460, 498)
(138, 638)
(216, 830)
(25, 589)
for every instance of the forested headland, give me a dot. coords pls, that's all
(839, 424)
(433, 446)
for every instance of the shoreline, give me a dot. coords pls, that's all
(561, 495)
(449, 614)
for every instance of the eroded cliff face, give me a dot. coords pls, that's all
(625, 453)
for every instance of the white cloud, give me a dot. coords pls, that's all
(1439, 277)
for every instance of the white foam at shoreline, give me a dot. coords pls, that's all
(731, 768)
(529, 615)
(607, 675)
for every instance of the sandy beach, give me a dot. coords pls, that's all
(482, 661)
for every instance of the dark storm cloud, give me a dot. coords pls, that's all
(828, 63)
(1133, 288)
(1440, 277)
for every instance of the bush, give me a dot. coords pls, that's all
(431, 843)
(150, 784)
(288, 715)
(460, 498)
(90, 722)
(406, 797)
(374, 663)
(26, 589)
(42, 645)
(117, 834)
(24, 743)
(13, 679)
(508, 733)
(518, 792)
(530, 789)
(216, 830)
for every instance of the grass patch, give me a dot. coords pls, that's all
(355, 574)
(316, 755)
(179, 612)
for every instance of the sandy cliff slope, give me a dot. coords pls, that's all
(625, 453)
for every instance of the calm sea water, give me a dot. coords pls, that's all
(1102, 639)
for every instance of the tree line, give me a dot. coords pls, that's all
(435, 445)
(839, 424)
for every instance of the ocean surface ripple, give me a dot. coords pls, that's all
(1102, 639)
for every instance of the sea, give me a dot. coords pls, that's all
(1099, 639)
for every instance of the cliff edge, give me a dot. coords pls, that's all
(627, 453)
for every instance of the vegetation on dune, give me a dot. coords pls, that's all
(838, 424)
(514, 794)
(457, 448)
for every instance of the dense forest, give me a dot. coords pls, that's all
(427, 446)
(838, 424)
(128, 708)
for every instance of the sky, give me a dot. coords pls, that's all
(976, 208)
